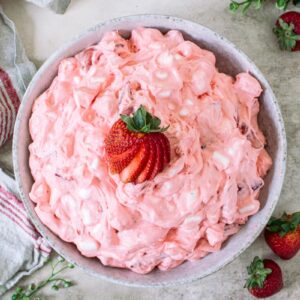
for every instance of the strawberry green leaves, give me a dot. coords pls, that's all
(143, 122)
(257, 273)
(284, 224)
(265, 278)
(286, 36)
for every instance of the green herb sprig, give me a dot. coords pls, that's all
(245, 5)
(58, 266)
(234, 6)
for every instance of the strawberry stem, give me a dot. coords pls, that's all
(286, 36)
(258, 273)
(284, 224)
(142, 121)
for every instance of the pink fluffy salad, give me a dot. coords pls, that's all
(218, 161)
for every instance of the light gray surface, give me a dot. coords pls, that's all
(253, 35)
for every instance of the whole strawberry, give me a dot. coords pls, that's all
(287, 30)
(136, 147)
(283, 235)
(265, 278)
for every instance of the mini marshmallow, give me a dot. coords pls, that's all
(76, 79)
(189, 102)
(165, 94)
(184, 112)
(171, 106)
(84, 193)
(95, 164)
(87, 245)
(193, 219)
(165, 59)
(161, 75)
(98, 79)
(191, 197)
(178, 56)
(155, 46)
(247, 209)
(221, 160)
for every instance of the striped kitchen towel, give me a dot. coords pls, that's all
(22, 249)
(16, 72)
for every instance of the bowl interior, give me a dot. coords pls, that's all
(229, 60)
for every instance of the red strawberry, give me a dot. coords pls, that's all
(159, 163)
(119, 161)
(147, 171)
(136, 165)
(120, 139)
(283, 235)
(166, 146)
(287, 30)
(136, 147)
(265, 278)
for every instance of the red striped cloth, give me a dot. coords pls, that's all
(22, 249)
(13, 208)
(9, 104)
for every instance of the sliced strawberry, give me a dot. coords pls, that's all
(120, 139)
(159, 162)
(136, 147)
(166, 147)
(146, 172)
(118, 162)
(130, 152)
(132, 171)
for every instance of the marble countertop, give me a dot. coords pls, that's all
(42, 32)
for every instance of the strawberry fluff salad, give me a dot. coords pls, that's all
(207, 191)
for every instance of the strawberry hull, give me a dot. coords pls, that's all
(287, 30)
(265, 278)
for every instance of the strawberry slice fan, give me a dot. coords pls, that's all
(137, 148)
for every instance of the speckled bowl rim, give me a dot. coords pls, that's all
(40, 226)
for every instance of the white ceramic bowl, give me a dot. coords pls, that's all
(229, 60)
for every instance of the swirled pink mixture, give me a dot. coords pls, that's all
(218, 159)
